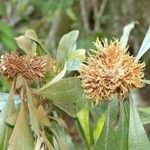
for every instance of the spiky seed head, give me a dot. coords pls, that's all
(29, 67)
(110, 71)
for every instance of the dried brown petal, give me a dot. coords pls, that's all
(111, 71)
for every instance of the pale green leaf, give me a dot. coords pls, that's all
(107, 139)
(145, 45)
(137, 136)
(126, 33)
(5, 129)
(65, 46)
(83, 117)
(99, 126)
(26, 44)
(77, 54)
(22, 135)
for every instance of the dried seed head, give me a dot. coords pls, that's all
(29, 67)
(111, 71)
(34, 67)
(11, 64)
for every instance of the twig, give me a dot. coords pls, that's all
(98, 12)
(51, 40)
(84, 14)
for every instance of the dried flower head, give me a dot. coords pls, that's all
(11, 64)
(110, 71)
(34, 67)
(29, 67)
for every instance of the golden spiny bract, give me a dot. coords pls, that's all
(110, 71)
(29, 67)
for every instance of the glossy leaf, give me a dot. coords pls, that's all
(22, 135)
(137, 136)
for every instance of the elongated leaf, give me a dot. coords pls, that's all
(137, 136)
(67, 107)
(99, 126)
(83, 117)
(55, 79)
(107, 139)
(32, 111)
(122, 130)
(22, 135)
(68, 89)
(126, 33)
(65, 46)
(145, 45)
(59, 140)
(64, 136)
(5, 129)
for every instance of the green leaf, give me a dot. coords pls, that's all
(64, 94)
(59, 140)
(137, 136)
(65, 90)
(31, 34)
(22, 135)
(32, 111)
(73, 65)
(77, 54)
(62, 133)
(67, 107)
(122, 130)
(126, 33)
(107, 139)
(99, 126)
(145, 45)
(65, 46)
(11, 120)
(83, 117)
(5, 129)
(55, 79)
(144, 113)
(26, 44)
